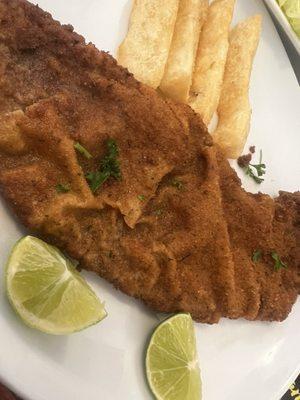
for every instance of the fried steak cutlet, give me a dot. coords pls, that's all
(177, 231)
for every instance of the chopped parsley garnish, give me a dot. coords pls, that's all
(82, 150)
(141, 197)
(62, 188)
(96, 179)
(109, 167)
(256, 171)
(279, 264)
(256, 255)
(177, 183)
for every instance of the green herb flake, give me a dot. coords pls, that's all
(96, 179)
(82, 150)
(158, 212)
(256, 256)
(279, 264)
(256, 171)
(141, 197)
(109, 167)
(110, 254)
(62, 188)
(177, 183)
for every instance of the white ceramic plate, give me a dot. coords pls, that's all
(240, 359)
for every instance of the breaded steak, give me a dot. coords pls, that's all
(177, 230)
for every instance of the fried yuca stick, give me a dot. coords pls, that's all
(211, 59)
(177, 78)
(146, 47)
(234, 109)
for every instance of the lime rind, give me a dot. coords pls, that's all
(172, 366)
(47, 292)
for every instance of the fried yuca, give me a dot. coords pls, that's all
(177, 78)
(211, 59)
(146, 47)
(234, 109)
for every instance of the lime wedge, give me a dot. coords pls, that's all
(46, 290)
(171, 362)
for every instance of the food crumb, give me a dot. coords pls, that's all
(252, 149)
(244, 161)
